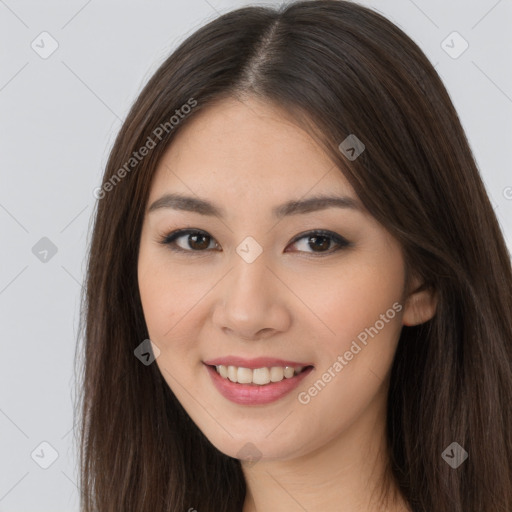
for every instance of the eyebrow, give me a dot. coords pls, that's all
(293, 207)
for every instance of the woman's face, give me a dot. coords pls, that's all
(255, 290)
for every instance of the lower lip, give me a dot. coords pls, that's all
(253, 394)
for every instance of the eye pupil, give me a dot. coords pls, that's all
(199, 246)
(315, 239)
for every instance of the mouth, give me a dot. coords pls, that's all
(258, 384)
(258, 376)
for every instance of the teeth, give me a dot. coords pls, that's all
(232, 373)
(288, 372)
(244, 376)
(276, 373)
(258, 376)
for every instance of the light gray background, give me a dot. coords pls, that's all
(59, 117)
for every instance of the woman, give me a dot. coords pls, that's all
(298, 294)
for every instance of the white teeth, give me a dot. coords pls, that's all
(288, 372)
(276, 373)
(244, 375)
(232, 373)
(259, 376)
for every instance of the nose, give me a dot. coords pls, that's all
(252, 302)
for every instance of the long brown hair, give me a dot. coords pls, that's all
(340, 69)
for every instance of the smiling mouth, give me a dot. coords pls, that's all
(258, 376)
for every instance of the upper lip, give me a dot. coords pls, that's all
(258, 362)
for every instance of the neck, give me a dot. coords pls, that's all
(348, 474)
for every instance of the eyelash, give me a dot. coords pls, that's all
(170, 239)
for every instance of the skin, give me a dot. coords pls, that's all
(293, 302)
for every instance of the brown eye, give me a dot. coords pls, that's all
(199, 242)
(193, 241)
(319, 242)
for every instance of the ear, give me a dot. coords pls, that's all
(420, 303)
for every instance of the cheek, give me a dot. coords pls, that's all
(357, 349)
(169, 326)
(350, 380)
(172, 298)
(158, 302)
(162, 304)
(360, 303)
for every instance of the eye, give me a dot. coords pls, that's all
(196, 241)
(320, 241)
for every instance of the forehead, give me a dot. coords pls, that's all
(247, 148)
